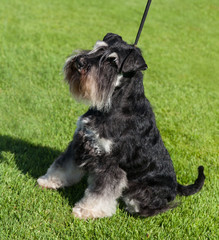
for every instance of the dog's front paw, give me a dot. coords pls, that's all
(84, 213)
(46, 182)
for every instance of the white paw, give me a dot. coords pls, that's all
(84, 213)
(46, 182)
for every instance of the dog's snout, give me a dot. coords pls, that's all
(80, 63)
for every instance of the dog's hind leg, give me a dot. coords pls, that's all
(100, 199)
(62, 173)
(146, 201)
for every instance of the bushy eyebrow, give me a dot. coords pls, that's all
(98, 45)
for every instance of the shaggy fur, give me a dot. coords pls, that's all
(117, 141)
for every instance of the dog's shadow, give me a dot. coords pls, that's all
(34, 160)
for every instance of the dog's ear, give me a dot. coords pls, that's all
(133, 62)
(112, 38)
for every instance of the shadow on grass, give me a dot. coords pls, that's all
(35, 160)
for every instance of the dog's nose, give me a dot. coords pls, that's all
(80, 63)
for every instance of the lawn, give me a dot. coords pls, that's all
(38, 117)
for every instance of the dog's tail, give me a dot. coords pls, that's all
(193, 188)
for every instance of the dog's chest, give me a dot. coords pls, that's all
(92, 141)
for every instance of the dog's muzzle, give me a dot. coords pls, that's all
(79, 63)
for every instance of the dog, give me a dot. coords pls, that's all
(116, 143)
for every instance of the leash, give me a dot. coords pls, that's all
(139, 31)
(142, 22)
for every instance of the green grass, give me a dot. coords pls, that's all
(38, 116)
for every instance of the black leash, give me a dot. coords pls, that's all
(138, 35)
(142, 21)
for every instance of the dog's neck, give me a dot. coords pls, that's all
(128, 96)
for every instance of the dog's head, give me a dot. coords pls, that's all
(94, 75)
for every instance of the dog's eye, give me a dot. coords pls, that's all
(113, 58)
(100, 49)
(112, 61)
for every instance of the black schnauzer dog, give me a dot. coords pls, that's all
(116, 142)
